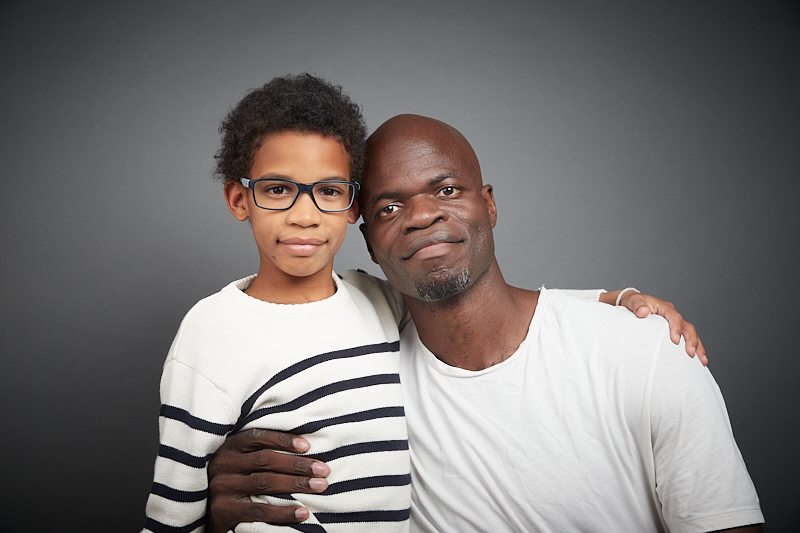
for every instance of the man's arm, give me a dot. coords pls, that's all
(694, 450)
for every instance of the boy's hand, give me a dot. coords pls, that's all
(643, 304)
(247, 464)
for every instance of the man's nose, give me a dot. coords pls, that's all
(422, 212)
(304, 212)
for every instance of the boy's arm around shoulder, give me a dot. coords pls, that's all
(387, 301)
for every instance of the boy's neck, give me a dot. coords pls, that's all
(274, 286)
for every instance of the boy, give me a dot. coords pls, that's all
(294, 344)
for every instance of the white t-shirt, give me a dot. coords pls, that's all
(597, 423)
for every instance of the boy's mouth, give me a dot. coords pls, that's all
(301, 247)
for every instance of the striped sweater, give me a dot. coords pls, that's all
(327, 370)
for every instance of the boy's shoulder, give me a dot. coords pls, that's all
(226, 296)
(367, 290)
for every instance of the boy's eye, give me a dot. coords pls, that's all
(329, 191)
(276, 189)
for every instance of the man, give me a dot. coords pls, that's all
(526, 410)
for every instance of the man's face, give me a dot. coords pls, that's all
(427, 219)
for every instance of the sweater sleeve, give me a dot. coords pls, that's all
(194, 419)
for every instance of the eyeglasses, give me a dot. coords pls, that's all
(330, 196)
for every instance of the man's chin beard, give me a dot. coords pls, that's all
(445, 286)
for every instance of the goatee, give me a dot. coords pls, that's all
(432, 290)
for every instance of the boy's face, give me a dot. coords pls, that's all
(300, 241)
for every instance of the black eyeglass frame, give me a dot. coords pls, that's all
(301, 188)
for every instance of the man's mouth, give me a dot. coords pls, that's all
(430, 241)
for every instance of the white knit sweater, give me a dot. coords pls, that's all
(327, 370)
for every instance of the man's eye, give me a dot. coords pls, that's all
(388, 210)
(448, 191)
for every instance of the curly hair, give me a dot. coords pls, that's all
(302, 103)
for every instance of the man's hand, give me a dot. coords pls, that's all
(246, 464)
(642, 305)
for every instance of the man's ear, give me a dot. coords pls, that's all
(488, 197)
(236, 198)
(365, 232)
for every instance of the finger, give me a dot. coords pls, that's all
(228, 515)
(690, 338)
(675, 321)
(265, 483)
(701, 352)
(259, 439)
(266, 461)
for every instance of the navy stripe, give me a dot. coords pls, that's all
(158, 527)
(308, 528)
(311, 361)
(178, 495)
(361, 447)
(372, 414)
(182, 457)
(364, 516)
(332, 388)
(368, 483)
(358, 484)
(182, 415)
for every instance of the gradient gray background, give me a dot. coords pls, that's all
(629, 143)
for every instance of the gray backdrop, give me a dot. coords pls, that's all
(629, 143)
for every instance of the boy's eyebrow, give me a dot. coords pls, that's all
(275, 176)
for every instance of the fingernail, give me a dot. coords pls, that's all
(317, 483)
(301, 444)
(319, 469)
(301, 513)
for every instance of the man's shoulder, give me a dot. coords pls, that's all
(615, 330)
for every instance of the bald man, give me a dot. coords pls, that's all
(532, 410)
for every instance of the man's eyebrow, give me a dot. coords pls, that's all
(441, 177)
(388, 195)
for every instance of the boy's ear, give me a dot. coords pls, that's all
(236, 198)
(354, 213)
(365, 232)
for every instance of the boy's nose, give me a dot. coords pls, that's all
(304, 212)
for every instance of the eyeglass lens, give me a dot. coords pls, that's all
(281, 194)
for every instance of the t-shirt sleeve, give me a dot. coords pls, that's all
(701, 480)
(586, 294)
(194, 419)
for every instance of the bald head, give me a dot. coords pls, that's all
(404, 135)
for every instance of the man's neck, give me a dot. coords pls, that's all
(478, 328)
